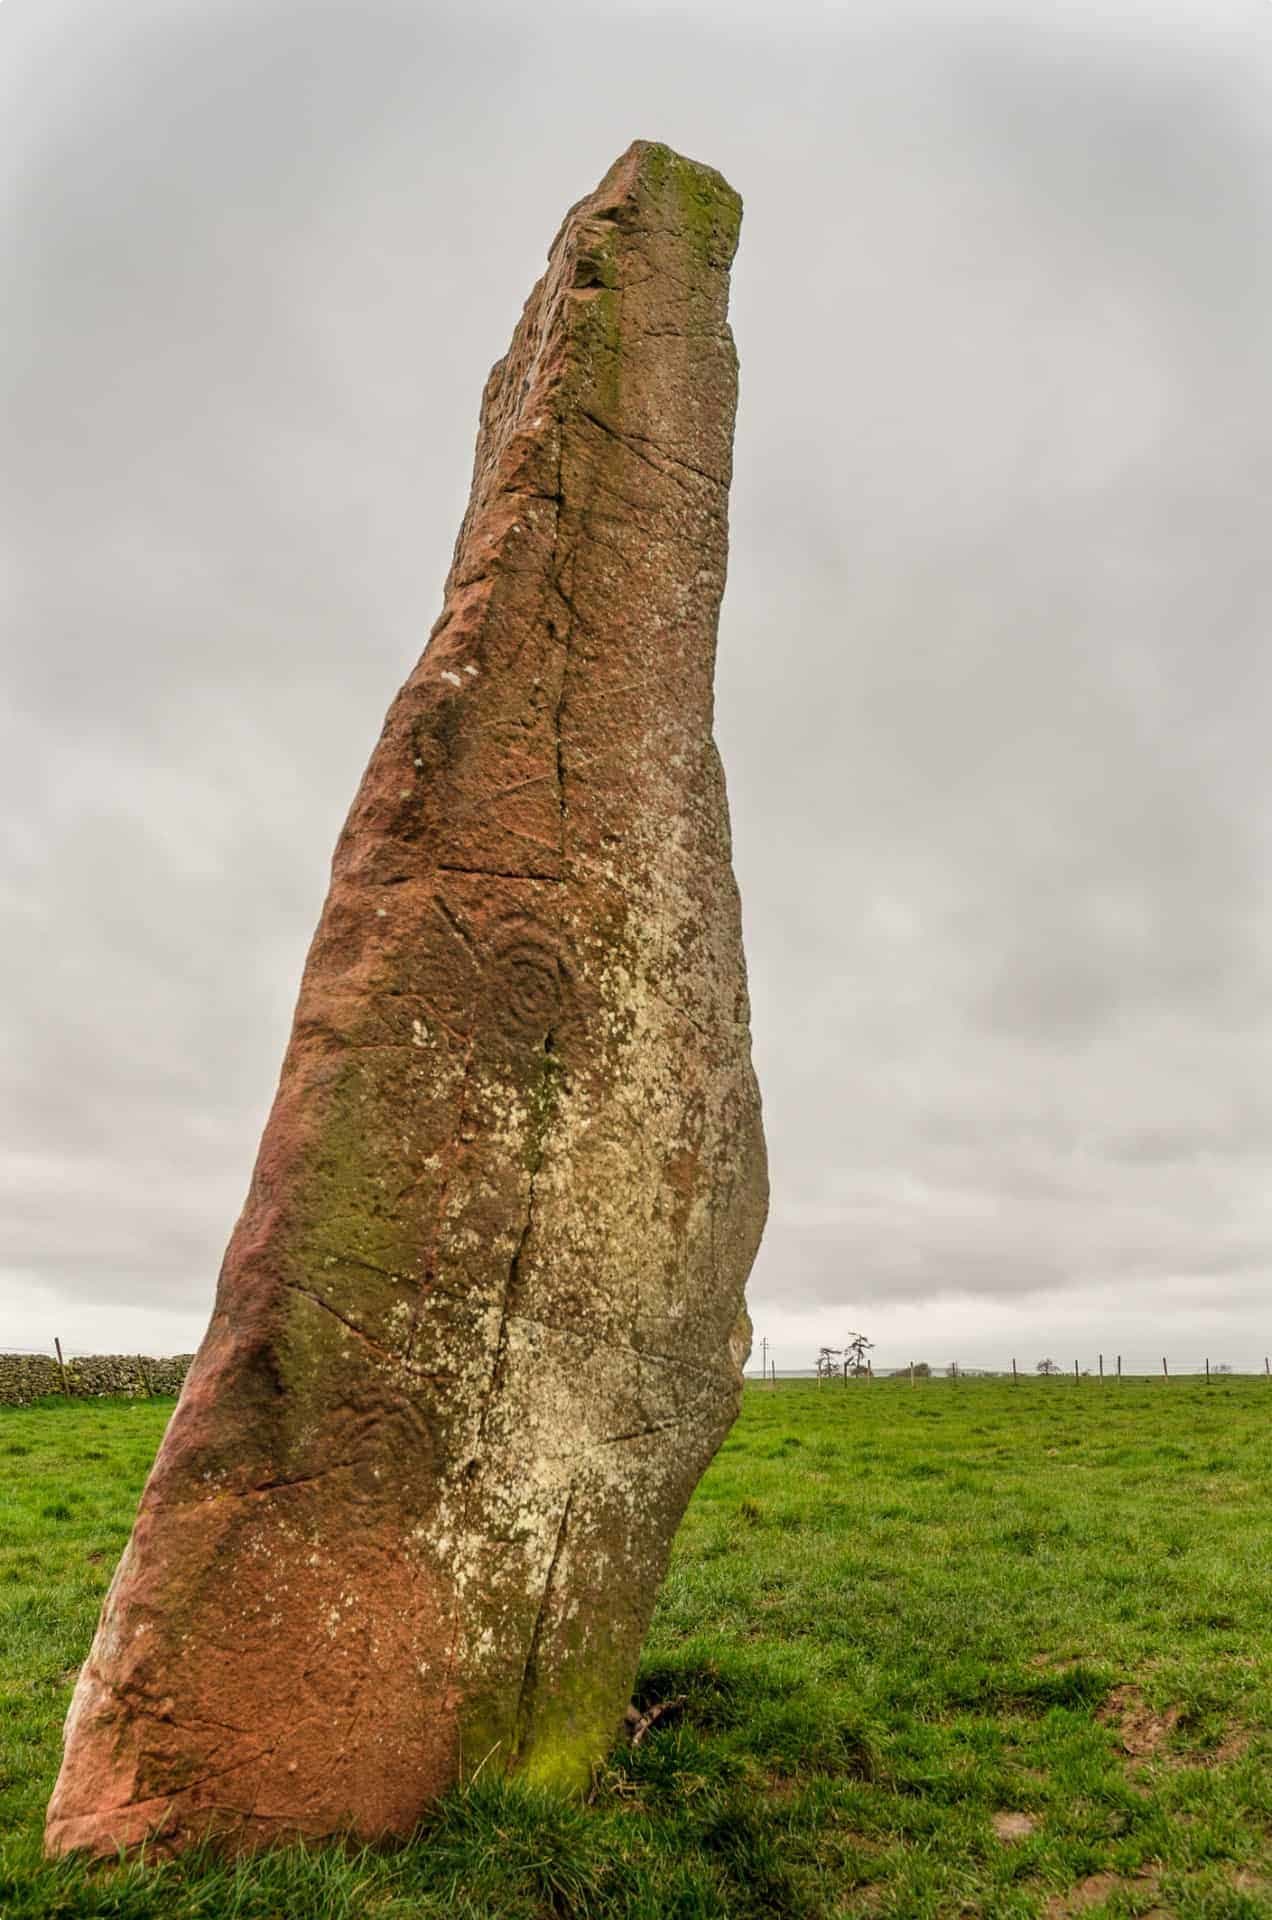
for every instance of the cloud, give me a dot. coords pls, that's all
(993, 675)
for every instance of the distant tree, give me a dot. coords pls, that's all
(922, 1371)
(1047, 1366)
(1221, 1366)
(826, 1359)
(855, 1352)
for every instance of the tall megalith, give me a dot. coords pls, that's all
(480, 1325)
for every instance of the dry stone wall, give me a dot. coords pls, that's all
(26, 1377)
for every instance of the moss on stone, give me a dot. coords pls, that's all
(706, 206)
(563, 1760)
(542, 1102)
(562, 1727)
(598, 331)
(342, 1219)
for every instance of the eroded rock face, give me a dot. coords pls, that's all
(480, 1326)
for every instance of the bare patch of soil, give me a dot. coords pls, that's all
(1141, 1730)
(1231, 1747)
(1097, 1888)
(1143, 1733)
(1014, 1826)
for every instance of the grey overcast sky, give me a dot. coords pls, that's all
(994, 666)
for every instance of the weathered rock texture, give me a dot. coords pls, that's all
(480, 1326)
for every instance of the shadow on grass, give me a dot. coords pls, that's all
(498, 1848)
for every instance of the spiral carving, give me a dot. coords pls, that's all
(529, 981)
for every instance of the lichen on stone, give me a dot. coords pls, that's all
(480, 1326)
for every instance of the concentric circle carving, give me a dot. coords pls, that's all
(528, 981)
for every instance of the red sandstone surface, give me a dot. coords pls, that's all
(479, 1328)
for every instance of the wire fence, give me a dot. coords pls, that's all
(1112, 1367)
(1102, 1368)
(55, 1350)
(51, 1352)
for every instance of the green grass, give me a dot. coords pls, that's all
(896, 1617)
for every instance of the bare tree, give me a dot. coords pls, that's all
(855, 1353)
(826, 1359)
(1047, 1366)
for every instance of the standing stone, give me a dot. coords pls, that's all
(480, 1326)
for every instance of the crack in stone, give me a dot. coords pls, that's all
(607, 546)
(530, 1671)
(133, 1693)
(291, 1480)
(339, 1256)
(636, 443)
(517, 786)
(507, 1310)
(506, 1315)
(567, 641)
(519, 833)
(458, 927)
(620, 1439)
(306, 1293)
(501, 873)
(618, 1346)
(637, 1433)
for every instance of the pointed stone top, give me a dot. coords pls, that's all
(650, 174)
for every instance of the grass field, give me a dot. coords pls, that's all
(970, 1649)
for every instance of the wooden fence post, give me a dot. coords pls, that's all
(1015, 1377)
(1119, 1366)
(1207, 1370)
(61, 1367)
(1075, 1369)
(1165, 1375)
